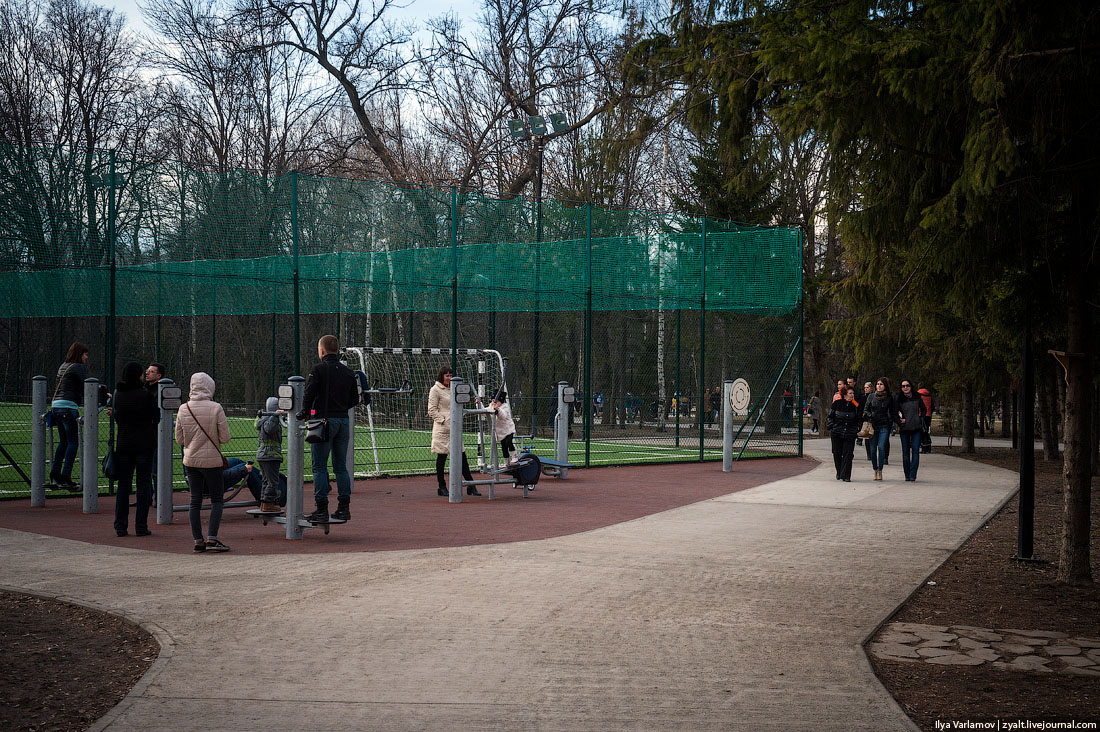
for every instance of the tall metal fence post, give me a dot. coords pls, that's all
(801, 349)
(297, 294)
(702, 336)
(38, 441)
(349, 459)
(454, 279)
(89, 455)
(588, 340)
(166, 433)
(112, 322)
(295, 461)
(727, 427)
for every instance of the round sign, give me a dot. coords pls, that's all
(740, 398)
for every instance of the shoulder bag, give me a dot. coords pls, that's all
(317, 427)
(225, 463)
(866, 430)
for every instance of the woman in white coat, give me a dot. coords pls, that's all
(202, 429)
(439, 411)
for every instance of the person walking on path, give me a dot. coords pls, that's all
(439, 411)
(815, 411)
(910, 426)
(269, 454)
(881, 409)
(202, 429)
(929, 404)
(868, 387)
(135, 411)
(843, 423)
(331, 391)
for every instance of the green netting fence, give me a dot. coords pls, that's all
(237, 274)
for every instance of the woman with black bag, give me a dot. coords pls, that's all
(843, 422)
(201, 427)
(881, 410)
(134, 409)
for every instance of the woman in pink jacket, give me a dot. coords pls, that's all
(202, 429)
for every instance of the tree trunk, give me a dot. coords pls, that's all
(968, 419)
(981, 416)
(1073, 562)
(1006, 414)
(1042, 391)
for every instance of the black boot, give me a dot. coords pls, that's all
(343, 510)
(321, 514)
(471, 490)
(443, 491)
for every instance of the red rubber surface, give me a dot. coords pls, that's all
(406, 513)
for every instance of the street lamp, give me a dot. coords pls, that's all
(539, 127)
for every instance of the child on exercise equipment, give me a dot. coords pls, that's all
(505, 430)
(269, 454)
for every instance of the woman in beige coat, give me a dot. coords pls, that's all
(439, 410)
(199, 422)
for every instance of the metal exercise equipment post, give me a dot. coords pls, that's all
(169, 399)
(89, 452)
(295, 457)
(566, 396)
(38, 441)
(727, 426)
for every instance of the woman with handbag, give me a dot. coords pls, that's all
(843, 422)
(881, 410)
(202, 429)
(134, 409)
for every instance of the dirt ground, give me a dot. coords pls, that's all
(66, 666)
(983, 586)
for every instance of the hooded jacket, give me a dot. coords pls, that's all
(198, 450)
(270, 445)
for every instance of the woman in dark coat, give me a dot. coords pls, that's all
(135, 412)
(881, 408)
(843, 423)
(911, 426)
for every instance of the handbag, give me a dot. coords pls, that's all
(316, 429)
(108, 464)
(866, 430)
(225, 463)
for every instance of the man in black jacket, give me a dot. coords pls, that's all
(331, 391)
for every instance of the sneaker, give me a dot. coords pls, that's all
(214, 545)
(200, 546)
(270, 507)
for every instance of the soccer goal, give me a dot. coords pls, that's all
(396, 416)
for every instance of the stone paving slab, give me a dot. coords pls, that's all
(1021, 650)
(747, 611)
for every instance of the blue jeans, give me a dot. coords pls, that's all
(68, 441)
(127, 465)
(878, 447)
(336, 442)
(910, 454)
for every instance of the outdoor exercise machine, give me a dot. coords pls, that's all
(88, 436)
(294, 518)
(736, 399)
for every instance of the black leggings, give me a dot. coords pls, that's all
(441, 463)
(507, 447)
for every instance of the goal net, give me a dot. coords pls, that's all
(398, 431)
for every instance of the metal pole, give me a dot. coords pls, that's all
(454, 448)
(166, 443)
(297, 298)
(538, 305)
(112, 326)
(89, 457)
(702, 337)
(727, 427)
(588, 340)
(38, 441)
(561, 427)
(295, 461)
(454, 280)
(349, 460)
(1025, 543)
(801, 350)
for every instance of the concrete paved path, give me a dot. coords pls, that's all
(741, 612)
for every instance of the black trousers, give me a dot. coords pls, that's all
(842, 455)
(441, 464)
